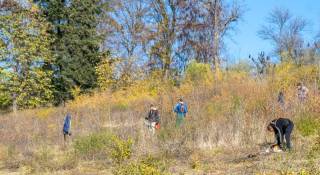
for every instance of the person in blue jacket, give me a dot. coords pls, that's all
(67, 127)
(181, 110)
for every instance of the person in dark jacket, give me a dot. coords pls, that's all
(67, 127)
(282, 128)
(153, 118)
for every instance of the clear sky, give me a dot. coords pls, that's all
(245, 40)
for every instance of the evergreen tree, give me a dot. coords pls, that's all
(76, 43)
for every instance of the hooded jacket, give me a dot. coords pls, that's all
(67, 124)
(279, 126)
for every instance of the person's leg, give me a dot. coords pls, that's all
(153, 127)
(288, 136)
(64, 138)
(147, 123)
(178, 120)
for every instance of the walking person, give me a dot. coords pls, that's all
(281, 100)
(181, 110)
(282, 129)
(153, 119)
(302, 92)
(66, 127)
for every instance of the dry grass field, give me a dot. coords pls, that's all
(226, 123)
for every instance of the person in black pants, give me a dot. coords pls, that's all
(282, 128)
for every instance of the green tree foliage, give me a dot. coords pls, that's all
(106, 74)
(76, 43)
(24, 54)
(199, 73)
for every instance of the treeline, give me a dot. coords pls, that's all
(53, 50)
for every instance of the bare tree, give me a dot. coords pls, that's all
(204, 26)
(126, 26)
(262, 63)
(163, 36)
(223, 18)
(285, 32)
(194, 33)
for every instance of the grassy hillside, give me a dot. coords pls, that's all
(226, 122)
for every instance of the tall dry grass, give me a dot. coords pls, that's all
(230, 113)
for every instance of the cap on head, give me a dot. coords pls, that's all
(299, 84)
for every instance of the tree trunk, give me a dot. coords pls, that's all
(14, 104)
(216, 61)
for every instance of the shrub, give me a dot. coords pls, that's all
(308, 125)
(147, 166)
(92, 146)
(120, 149)
(288, 74)
(5, 100)
(99, 145)
(199, 73)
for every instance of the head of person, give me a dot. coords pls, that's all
(270, 128)
(299, 85)
(180, 100)
(281, 93)
(153, 107)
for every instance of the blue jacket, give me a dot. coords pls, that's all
(177, 109)
(67, 123)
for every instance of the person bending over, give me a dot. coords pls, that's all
(282, 128)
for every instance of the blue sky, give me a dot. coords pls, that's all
(245, 41)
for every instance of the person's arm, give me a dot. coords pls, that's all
(175, 108)
(307, 91)
(186, 109)
(148, 116)
(278, 139)
(157, 117)
(63, 125)
(70, 126)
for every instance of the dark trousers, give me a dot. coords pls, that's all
(287, 134)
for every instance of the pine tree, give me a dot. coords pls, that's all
(76, 44)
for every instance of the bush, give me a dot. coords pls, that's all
(99, 145)
(5, 100)
(308, 125)
(147, 166)
(199, 73)
(120, 149)
(288, 74)
(92, 146)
